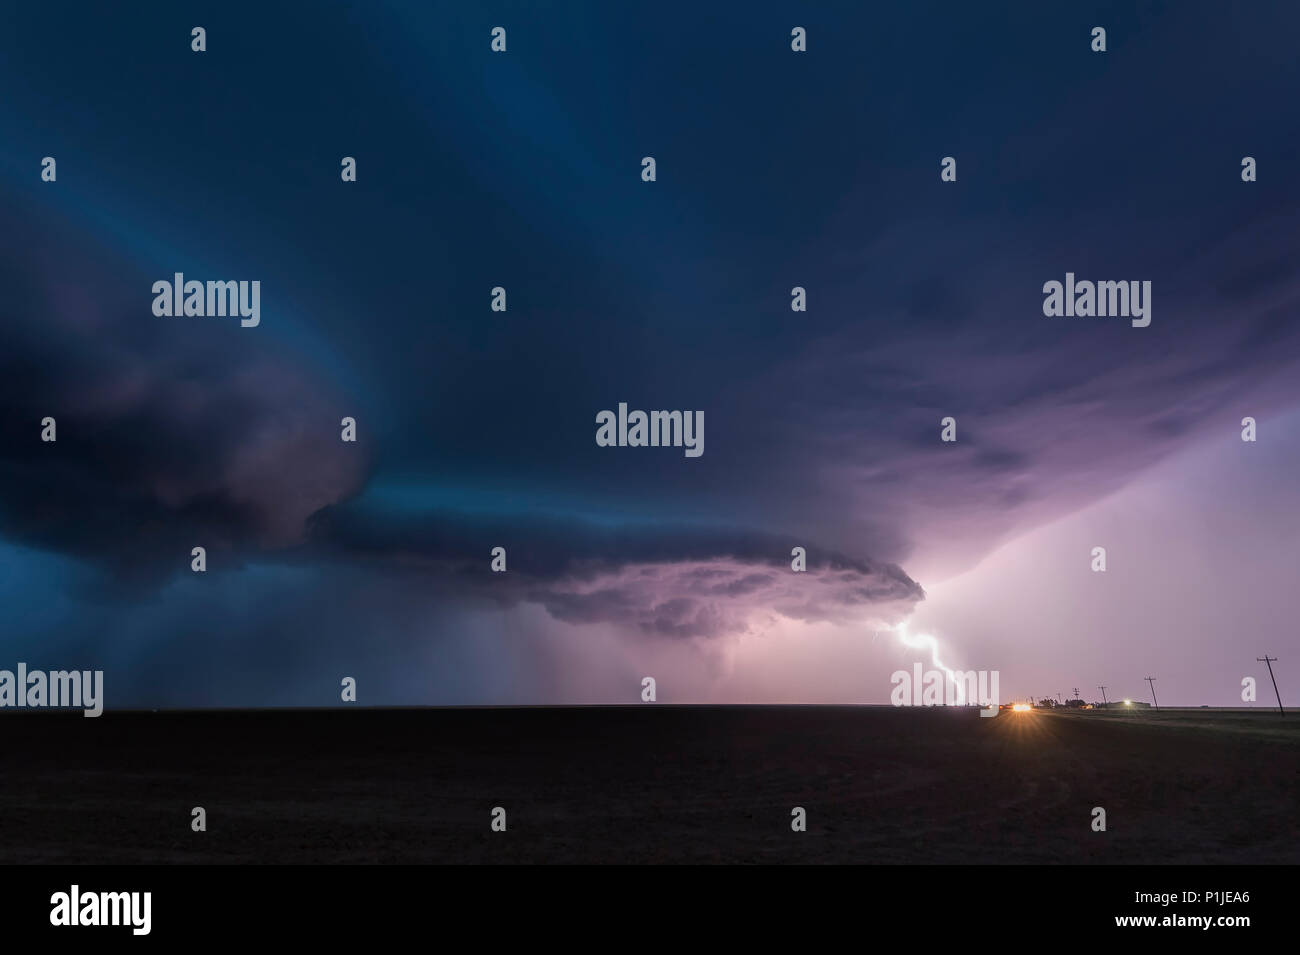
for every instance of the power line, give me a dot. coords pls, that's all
(1270, 661)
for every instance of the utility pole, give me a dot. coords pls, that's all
(1270, 661)
(1152, 680)
(1103, 694)
(1076, 694)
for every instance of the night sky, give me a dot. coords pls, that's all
(477, 428)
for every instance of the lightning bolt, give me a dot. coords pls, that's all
(922, 640)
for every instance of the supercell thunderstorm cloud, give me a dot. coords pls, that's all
(476, 428)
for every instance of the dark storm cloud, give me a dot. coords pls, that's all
(168, 435)
(926, 298)
(1051, 413)
(171, 436)
(666, 579)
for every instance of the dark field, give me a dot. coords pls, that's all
(650, 783)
